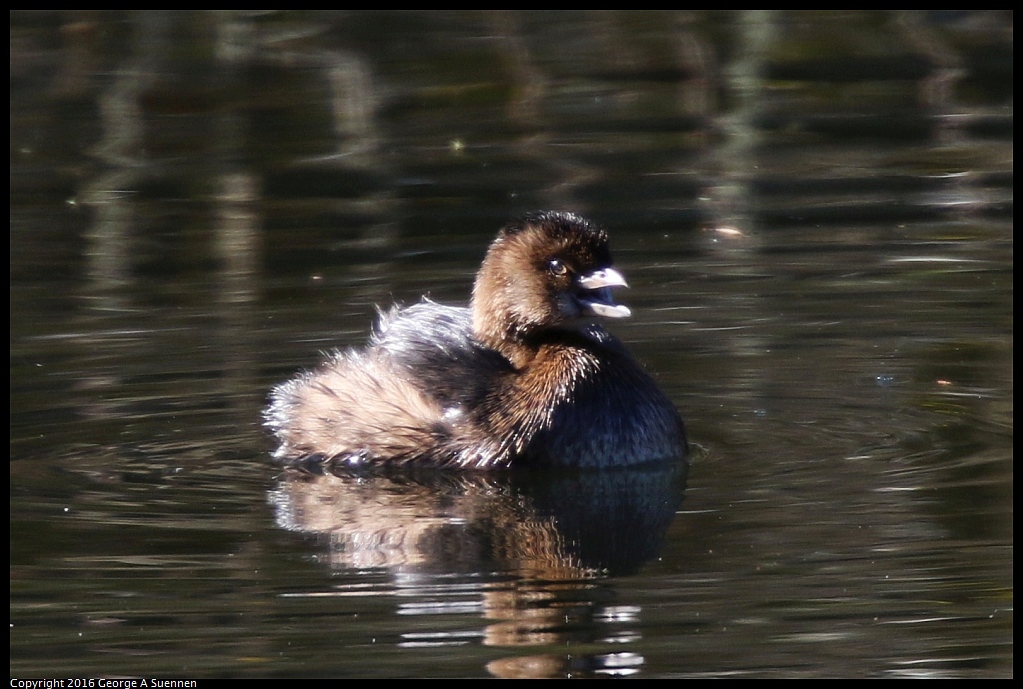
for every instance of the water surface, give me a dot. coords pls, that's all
(814, 212)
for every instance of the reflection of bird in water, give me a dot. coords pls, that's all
(545, 524)
(524, 550)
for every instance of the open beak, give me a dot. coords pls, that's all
(595, 296)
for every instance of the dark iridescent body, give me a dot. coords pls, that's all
(516, 379)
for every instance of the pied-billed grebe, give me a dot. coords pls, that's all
(516, 379)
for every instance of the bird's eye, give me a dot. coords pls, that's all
(557, 268)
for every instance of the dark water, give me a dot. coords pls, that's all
(815, 213)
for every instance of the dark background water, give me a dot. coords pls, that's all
(814, 211)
